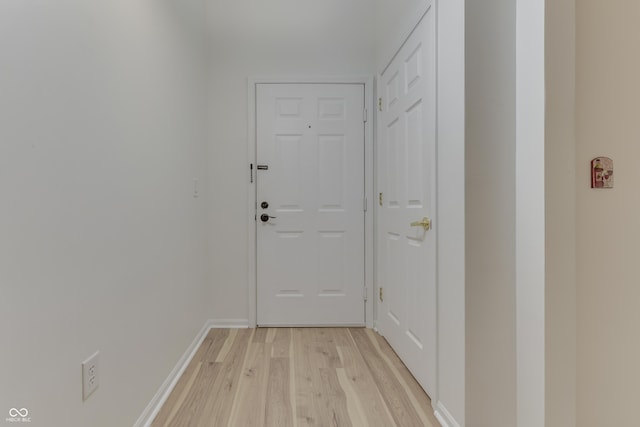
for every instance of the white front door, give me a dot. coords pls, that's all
(406, 180)
(309, 207)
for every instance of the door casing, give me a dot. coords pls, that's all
(252, 281)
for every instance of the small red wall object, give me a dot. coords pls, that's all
(602, 172)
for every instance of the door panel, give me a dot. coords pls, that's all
(406, 166)
(310, 254)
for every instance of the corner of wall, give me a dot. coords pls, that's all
(161, 396)
(560, 215)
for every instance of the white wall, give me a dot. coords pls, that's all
(490, 214)
(560, 190)
(505, 213)
(257, 38)
(393, 22)
(608, 234)
(102, 244)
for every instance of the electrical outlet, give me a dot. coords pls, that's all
(90, 375)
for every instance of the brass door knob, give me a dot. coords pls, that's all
(424, 223)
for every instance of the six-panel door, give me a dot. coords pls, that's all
(310, 244)
(406, 177)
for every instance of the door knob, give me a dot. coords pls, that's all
(264, 205)
(424, 223)
(265, 217)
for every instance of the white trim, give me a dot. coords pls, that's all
(367, 81)
(450, 396)
(308, 80)
(252, 278)
(161, 396)
(444, 417)
(229, 323)
(370, 185)
(530, 213)
(313, 325)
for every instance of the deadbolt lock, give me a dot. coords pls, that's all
(265, 217)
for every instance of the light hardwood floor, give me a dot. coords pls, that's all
(296, 377)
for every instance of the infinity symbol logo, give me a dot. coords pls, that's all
(13, 412)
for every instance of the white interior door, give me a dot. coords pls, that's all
(406, 178)
(310, 189)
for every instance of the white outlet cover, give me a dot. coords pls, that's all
(90, 375)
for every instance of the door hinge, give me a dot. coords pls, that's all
(380, 199)
(381, 294)
(365, 116)
(251, 173)
(365, 202)
(364, 291)
(379, 104)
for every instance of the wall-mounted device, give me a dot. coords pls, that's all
(602, 172)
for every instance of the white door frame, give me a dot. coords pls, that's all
(252, 283)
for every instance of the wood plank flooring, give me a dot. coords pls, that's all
(296, 377)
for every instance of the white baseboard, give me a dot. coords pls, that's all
(152, 409)
(444, 416)
(229, 323)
